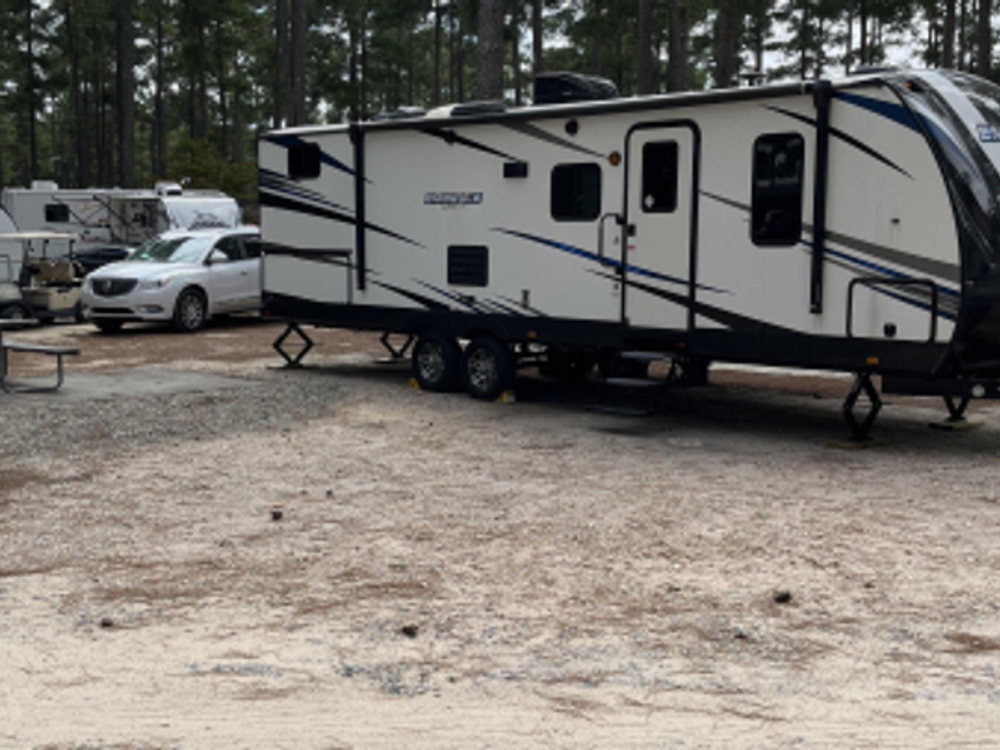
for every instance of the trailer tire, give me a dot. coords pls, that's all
(487, 368)
(435, 361)
(190, 311)
(14, 312)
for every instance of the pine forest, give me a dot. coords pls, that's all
(128, 92)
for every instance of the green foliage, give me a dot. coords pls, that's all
(205, 72)
(197, 164)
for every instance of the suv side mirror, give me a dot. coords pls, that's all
(217, 256)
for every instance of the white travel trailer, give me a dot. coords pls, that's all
(117, 216)
(850, 225)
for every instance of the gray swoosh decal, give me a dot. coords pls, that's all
(536, 132)
(915, 263)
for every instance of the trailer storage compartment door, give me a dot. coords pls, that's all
(308, 276)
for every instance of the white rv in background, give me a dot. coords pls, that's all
(850, 225)
(116, 216)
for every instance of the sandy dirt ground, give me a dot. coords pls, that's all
(406, 569)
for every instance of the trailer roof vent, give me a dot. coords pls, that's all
(403, 113)
(468, 109)
(559, 87)
(168, 188)
(867, 70)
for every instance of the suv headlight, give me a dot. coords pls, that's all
(153, 283)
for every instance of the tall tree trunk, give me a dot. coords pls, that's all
(353, 63)
(79, 128)
(962, 35)
(459, 59)
(863, 52)
(644, 55)
(126, 95)
(727, 43)
(515, 53)
(282, 64)
(451, 51)
(202, 58)
(159, 117)
(221, 79)
(489, 50)
(598, 38)
(537, 37)
(299, 21)
(948, 42)
(677, 46)
(436, 92)
(100, 118)
(32, 94)
(984, 45)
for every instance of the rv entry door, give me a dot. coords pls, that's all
(661, 210)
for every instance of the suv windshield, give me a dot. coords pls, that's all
(173, 250)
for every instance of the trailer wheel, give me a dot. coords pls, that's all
(435, 362)
(487, 368)
(190, 311)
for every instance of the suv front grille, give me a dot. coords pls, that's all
(112, 287)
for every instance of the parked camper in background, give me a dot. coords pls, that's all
(849, 225)
(104, 217)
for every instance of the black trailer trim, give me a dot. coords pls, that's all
(358, 140)
(822, 95)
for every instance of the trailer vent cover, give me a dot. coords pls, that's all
(560, 87)
(468, 265)
(470, 109)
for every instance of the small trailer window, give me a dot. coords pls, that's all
(56, 212)
(303, 161)
(777, 189)
(576, 192)
(659, 177)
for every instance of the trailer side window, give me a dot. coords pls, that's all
(659, 177)
(776, 214)
(576, 192)
(57, 212)
(304, 161)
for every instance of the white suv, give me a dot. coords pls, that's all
(183, 277)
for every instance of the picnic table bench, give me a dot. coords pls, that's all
(7, 346)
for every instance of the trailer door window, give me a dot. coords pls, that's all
(304, 161)
(659, 177)
(576, 192)
(777, 189)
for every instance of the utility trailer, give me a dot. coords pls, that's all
(848, 225)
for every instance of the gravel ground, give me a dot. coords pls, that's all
(326, 558)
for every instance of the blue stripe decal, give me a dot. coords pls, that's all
(605, 261)
(895, 112)
(891, 274)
